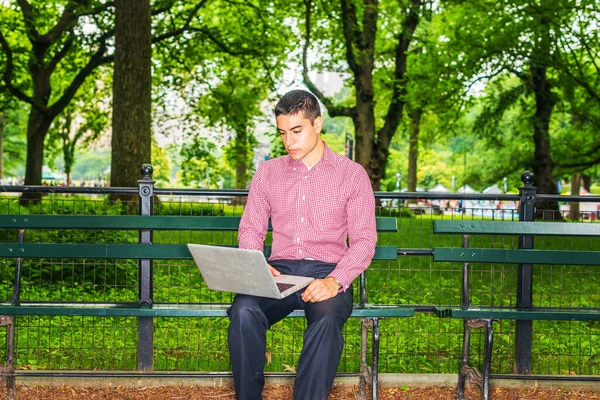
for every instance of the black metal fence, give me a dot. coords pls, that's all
(423, 344)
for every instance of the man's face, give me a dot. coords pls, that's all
(300, 136)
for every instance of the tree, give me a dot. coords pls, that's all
(528, 41)
(200, 166)
(13, 121)
(358, 44)
(50, 48)
(47, 68)
(234, 103)
(82, 122)
(132, 91)
(223, 82)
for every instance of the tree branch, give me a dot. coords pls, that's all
(60, 54)
(96, 60)
(367, 40)
(168, 5)
(28, 17)
(7, 78)
(586, 86)
(272, 84)
(395, 108)
(67, 21)
(96, 11)
(334, 111)
(351, 34)
(582, 165)
(184, 28)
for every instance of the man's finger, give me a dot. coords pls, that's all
(274, 271)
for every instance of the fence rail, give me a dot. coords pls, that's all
(423, 344)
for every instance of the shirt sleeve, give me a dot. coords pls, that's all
(255, 219)
(362, 231)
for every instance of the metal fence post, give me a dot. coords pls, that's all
(145, 324)
(523, 330)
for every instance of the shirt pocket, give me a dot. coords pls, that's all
(329, 215)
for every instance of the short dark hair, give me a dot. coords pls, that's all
(297, 101)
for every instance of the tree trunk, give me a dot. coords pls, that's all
(1, 147)
(241, 163)
(543, 165)
(586, 182)
(575, 184)
(37, 128)
(364, 120)
(132, 85)
(413, 150)
(69, 157)
(241, 159)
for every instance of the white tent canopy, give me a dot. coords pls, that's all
(494, 189)
(466, 189)
(439, 188)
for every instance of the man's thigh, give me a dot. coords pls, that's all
(338, 308)
(273, 309)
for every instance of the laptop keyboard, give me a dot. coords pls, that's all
(284, 286)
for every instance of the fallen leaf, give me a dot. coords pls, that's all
(289, 368)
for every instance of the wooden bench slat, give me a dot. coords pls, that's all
(517, 228)
(516, 256)
(169, 310)
(125, 251)
(119, 222)
(140, 222)
(533, 314)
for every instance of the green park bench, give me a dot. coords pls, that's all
(525, 256)
(145, 251)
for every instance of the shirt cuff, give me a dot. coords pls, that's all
(342, 280)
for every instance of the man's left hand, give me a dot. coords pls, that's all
(320, 290)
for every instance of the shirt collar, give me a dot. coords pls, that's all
(329, 157)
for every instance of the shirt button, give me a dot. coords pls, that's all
(303, 197)
(298, 240)
(300, 251)
(294, 169)
(301, 219)
(305, 176)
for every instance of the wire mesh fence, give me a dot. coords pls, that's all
(423, 344)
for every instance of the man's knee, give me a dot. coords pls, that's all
(328, 320)
(246, 312)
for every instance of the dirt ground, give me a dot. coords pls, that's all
(284, 392)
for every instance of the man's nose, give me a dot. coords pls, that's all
(289, 138)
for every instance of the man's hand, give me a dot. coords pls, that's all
(320, 290)
(274, 271)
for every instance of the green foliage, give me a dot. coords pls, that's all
(81, 123)
(200, 167)
(161, 164)
(14, 140)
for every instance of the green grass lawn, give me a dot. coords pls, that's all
(423, 344)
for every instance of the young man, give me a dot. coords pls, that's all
(317, 201)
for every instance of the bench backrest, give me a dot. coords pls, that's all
(522, 256)
(133, 222)
(516, 256)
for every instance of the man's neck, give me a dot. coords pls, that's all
(315, 155)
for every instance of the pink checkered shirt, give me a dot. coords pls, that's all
(314, 213)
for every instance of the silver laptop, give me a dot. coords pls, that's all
(228, 269)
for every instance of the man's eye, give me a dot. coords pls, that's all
(296, 132)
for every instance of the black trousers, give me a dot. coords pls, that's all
(251, 317)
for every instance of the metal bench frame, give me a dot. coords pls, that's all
(145, 251)
(483, 317)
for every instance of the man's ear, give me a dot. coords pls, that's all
(318, 124)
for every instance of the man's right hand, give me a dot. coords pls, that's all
(274, 271)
